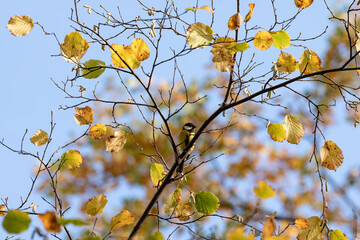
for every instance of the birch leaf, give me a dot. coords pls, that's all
(50, 222)
(20, 25)
(277, 132)
(235, 21)
(172, 201)
(98, 131)
(39, 138)
(263, 190)
(122, 219)
(303, 3)
(294, 128)
(84, 116)
(199, 35)
(74, 47)
(96, 205)
(309, 62)
(263, 40)
(71, 159)
(250, 13)
(331, 155)
(286, 63)
(116, 142)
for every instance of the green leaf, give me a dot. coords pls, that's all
(281, 39)
(92, 68)
(206, 202)
(277, 132)
(172, 201)
(156, 236)
(240, 47)
(263, 190)
(157, 173)
(74, 221)
(16, 221)
(294, 128)
(71, 159)
(315, 231)
(337, 235)
(96, 205)
(199, 35)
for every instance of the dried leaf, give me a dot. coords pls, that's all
(294, 128)
(39, 138)
(331, 155)
(286, 63)
(309, 62)
(122, 219)
(2, 208)
(140, 49)
(172, 201)
(314, 232)
(84, 116)
(205, 7)
(303, 3)
(250, 13)
(50, 222)
(126, 54)
(98, 131)
(199, 35)
(20, 25)
(235, 21)
(74, 47)
(223, 59)
(301, 224)
(116, 142)
(269, 227)
(263, 40)
(183, 211)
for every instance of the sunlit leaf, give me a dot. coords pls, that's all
(314, 232)
(235, 21)
(277, 132)
(156, 236)
(122, 219)
(263, 40)
(263, 190)
(303, 3)
(91, 238)
(71, 159)
(223, 43)
(206, 202)
(157, 173)
(92, 68)
(250, 13)
(294, 128)
(96, 205)
(240, 47)
(281, 39)
(199, 35)
(278, 238)
(127, 55)
(222, 59)
(286, 63)
(140, 49)
(301, 224)
(2, 208)
(74, 47)
(20, 25)
(39, 138)
(16, 221)
(331, 155)
(269, 227)
(172, 201)
(98, 131)
(337, 235)
(239, 234)
(84, 116)
(73, 221)
(309, 62)
(50, 222)
(205, 7)
(115, 142)
(183, 211)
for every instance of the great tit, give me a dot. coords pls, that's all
(185, 136)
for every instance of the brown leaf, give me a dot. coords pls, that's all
(235, 21)
(50, 222)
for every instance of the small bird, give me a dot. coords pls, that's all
(185, 136)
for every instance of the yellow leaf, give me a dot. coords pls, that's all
(286, 63)
(301, 224)
(235, 21)
(205, 7)
(223, 59)
(331, 155)
(50, 222)
(98, 130)
(172, 201)
(263, 190)
(183, 211)
(74, 47)
(39, 138)
(127, 55)
(315, 231)
(250, 13)
(225, 43)
(294, 128)
(263, 40)
(2, 208)
(96, 205)
(337, 235)
(71, 159)
(199, 35)
(20, 25)
(303, 3)
(238, 234)
(309, 62)
(140, 49)
(84, 116)
(277, 132)
(115, 142)
(240, 47)
(278, 238)
(269, 227)
(157, 173)
(122, 219)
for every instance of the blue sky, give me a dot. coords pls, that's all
(28, 95)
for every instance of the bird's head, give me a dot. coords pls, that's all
(189, 127)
